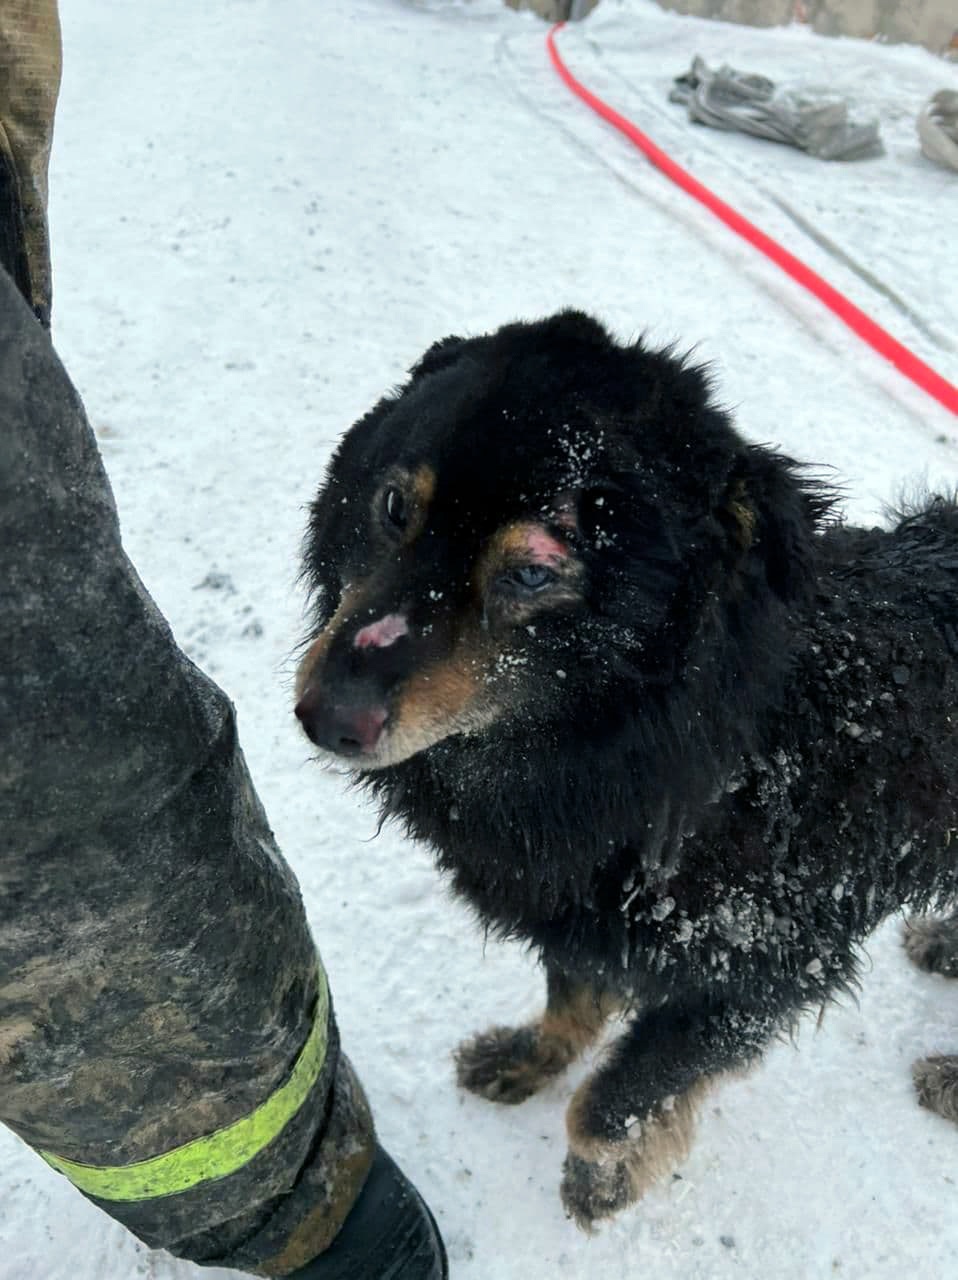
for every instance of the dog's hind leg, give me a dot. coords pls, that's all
(632, 1122)
(509, 1064)
(932, 944)
(936, 1082)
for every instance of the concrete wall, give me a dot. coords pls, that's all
(555, 10)
(754, 13)
(932, 23)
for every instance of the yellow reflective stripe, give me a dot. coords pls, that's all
(219, 1154)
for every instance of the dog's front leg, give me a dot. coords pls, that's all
(631, 1122)
(509, 1064)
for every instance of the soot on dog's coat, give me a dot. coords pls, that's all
(656, 713)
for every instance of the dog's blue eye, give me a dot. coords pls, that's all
(531, 577)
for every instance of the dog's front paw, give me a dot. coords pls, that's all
(507, 1064)
(613, 1160)
(592, 1190)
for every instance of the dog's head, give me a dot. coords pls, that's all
(537, 525)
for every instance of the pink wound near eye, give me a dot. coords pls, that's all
(543, 547)
(382, 633)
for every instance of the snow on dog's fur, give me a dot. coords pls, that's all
(657, 714)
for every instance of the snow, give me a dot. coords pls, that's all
(262, 212)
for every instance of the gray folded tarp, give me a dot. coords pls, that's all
(734, 100)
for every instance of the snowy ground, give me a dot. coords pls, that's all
(262, 211)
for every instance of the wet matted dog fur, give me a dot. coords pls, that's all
(657, 712)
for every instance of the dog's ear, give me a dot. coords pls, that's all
(770, 514)
(439, 356)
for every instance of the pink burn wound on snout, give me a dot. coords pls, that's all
(543, 548)
(382, 633)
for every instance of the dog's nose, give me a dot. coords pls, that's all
(347, 731)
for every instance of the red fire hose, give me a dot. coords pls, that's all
(878, 338)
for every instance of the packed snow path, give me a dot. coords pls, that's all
(262, 212)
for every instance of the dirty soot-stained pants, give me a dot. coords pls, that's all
(158, 983)
(30, 62)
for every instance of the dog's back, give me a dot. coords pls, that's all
(881, 684)
(851, 809)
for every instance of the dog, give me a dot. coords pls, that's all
(658, 712)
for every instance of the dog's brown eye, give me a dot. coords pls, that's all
(394, 508)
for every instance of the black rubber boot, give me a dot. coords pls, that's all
(389, 1234)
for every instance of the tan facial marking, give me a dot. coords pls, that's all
(448, 697)
(423, 486)
(315, 655)
(417, 488)
(522, 542)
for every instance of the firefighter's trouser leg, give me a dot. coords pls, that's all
(166, 1034)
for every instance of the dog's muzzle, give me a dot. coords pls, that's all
(343, 705)
(342, 729)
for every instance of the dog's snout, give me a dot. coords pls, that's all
(346, 683)
(346, 731)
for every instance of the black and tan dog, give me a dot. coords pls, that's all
(657, 714)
